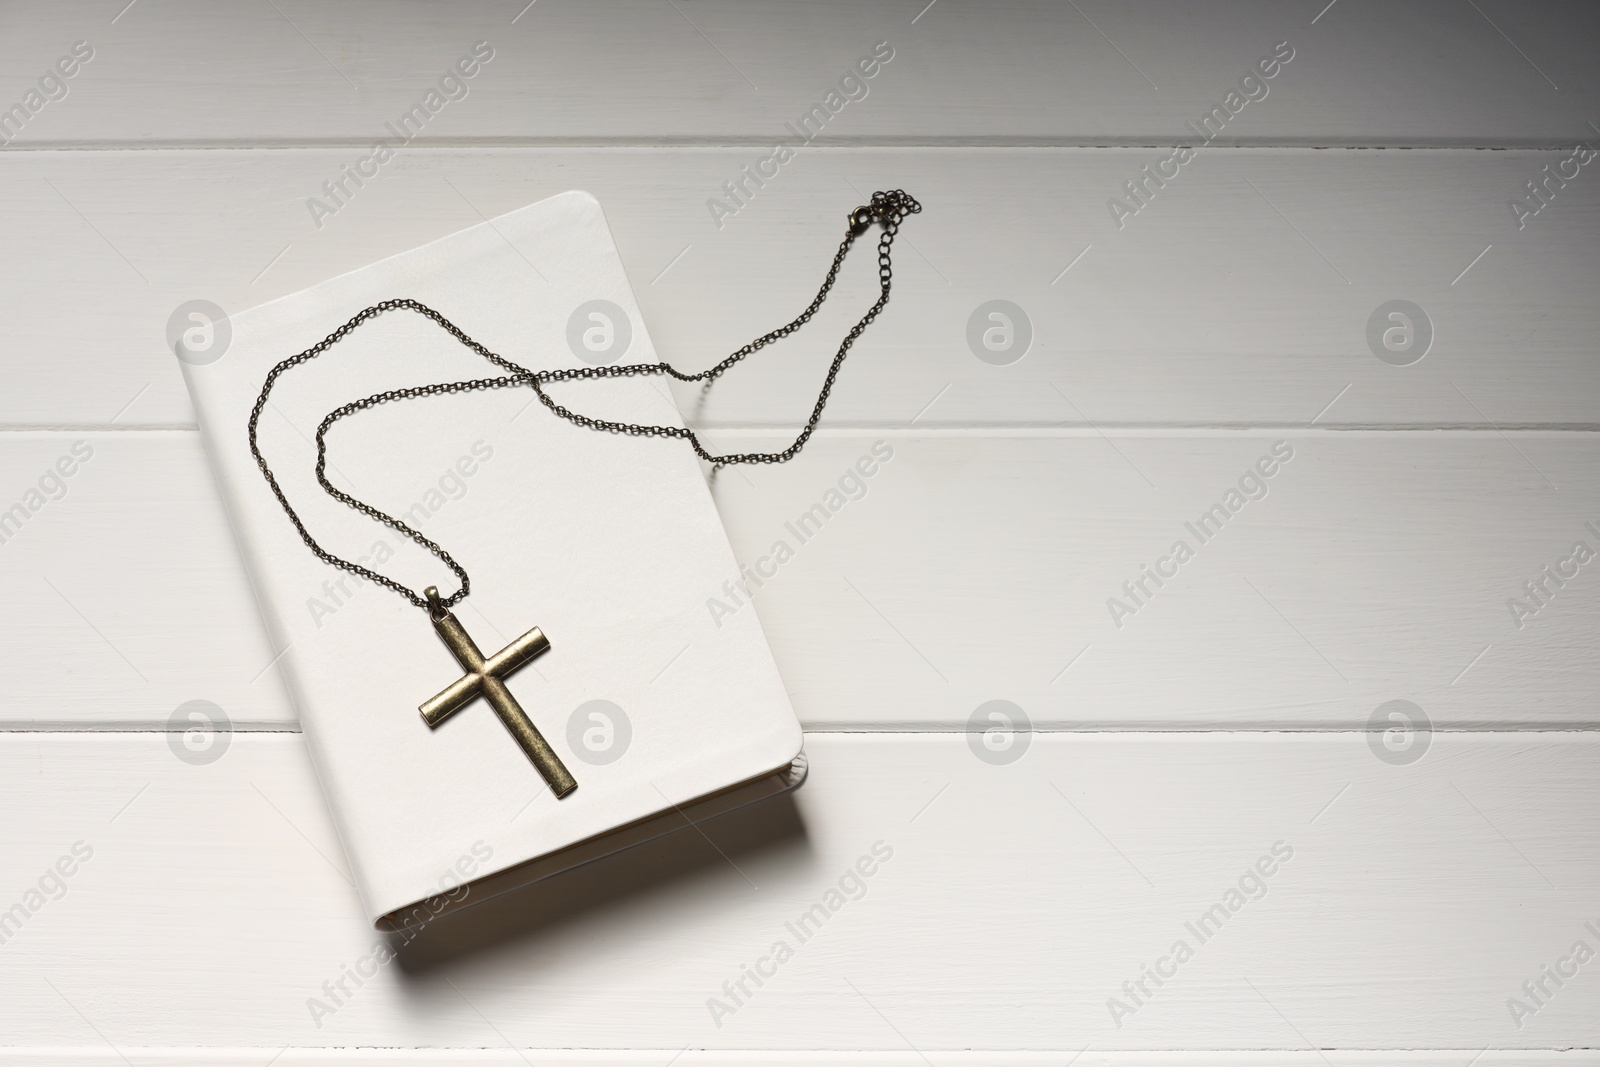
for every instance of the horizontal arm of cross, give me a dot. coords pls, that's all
(457, 695)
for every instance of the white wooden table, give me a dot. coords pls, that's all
(1162, 351)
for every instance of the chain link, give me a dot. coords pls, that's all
(887, 209)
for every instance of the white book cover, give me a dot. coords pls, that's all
(609, 543)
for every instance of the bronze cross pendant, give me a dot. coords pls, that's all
(484, 678)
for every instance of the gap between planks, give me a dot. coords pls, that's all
(1242, 728)
(847, 430)
(862, 143)
(288, 1056)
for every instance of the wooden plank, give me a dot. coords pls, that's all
(1018, 899)
(128, 598)
(966, 568)
(714, 69)
(1241, 294)
(1377, 567)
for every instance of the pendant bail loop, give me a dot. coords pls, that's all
(436, 608)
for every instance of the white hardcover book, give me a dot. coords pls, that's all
(609, 543)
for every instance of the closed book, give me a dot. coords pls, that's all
(662, 710)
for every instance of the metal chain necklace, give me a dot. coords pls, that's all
(485, 675)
